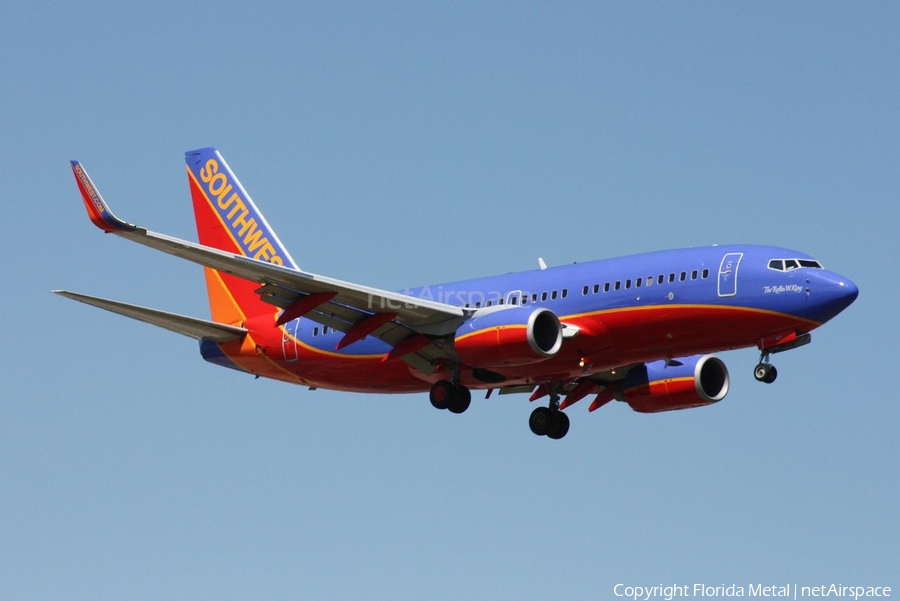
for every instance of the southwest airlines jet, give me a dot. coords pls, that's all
(637, 329)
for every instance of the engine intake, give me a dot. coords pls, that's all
(509, 337)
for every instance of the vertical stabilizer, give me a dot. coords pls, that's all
(227, 219)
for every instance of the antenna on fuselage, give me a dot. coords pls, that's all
(541, 263)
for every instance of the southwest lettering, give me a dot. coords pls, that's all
(265, 253)
(217, 184)
(238, 206)
(254, 239)
(234, 198)
(224, 193)
(235, 211)
(242, 222)
(207, 172)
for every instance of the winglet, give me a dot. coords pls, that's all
(97, 209)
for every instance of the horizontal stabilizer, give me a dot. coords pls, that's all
(200, 329)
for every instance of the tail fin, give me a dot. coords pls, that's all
(228, 220)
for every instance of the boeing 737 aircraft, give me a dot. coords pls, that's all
(637, 329)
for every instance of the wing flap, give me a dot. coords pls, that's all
(199, 329)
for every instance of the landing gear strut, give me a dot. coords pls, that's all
(549, 421)
(456, 398)
(765, 371)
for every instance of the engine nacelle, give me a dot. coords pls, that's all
(508, 337)
(683, 383)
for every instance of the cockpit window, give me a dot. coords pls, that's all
(791, 264)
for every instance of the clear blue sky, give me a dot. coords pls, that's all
(406, 144)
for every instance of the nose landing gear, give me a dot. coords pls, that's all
(765, 371)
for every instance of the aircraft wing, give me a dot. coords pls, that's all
(344, 305)
(199, 329)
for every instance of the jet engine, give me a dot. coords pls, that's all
(675, 384)
(507, 337)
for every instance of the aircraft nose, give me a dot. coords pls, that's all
(832, 294)
(849, 292)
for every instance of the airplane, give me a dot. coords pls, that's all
(639, 329)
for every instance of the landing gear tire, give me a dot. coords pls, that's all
(765, 372)
(441, 395)
(540, 421)
(461, 401)
(547, 422)
(560, 425)
(453, 397)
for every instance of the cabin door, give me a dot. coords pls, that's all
(728, 272)
(288, 340)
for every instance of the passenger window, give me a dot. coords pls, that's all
(500, 301)
(660, 279)
(694, 275)
(534, 297)
(650, 280)
(705, 273)
(618, 285)
(584, 291)
(488, 304)
(627, 284)
(671, 278)
(553, 295)
(316, 331)
(682, 277)
(596, 288)
(565, 292)
(543, 296)
(606, 287)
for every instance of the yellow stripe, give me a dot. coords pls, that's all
(317, 351)
(506, 327)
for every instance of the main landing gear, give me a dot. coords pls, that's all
(765, 371)
(549, 421)
(453, 397)
(544, 421)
